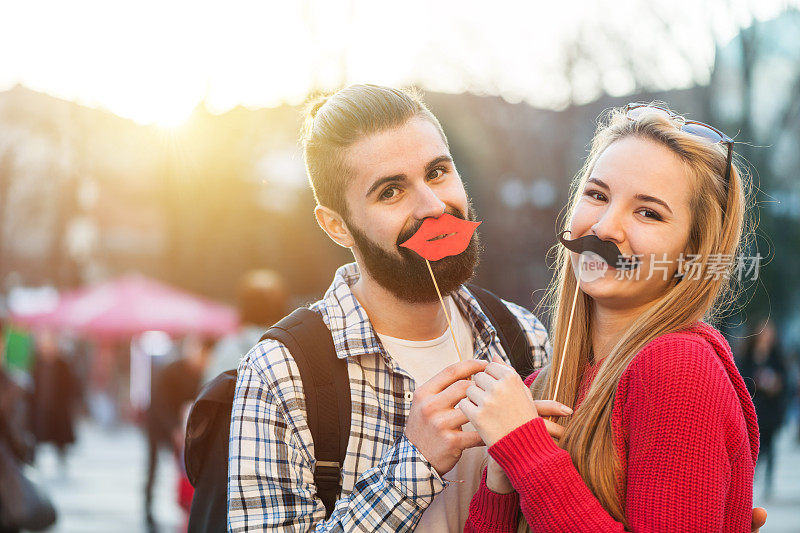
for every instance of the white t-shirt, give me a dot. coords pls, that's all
(422, 360)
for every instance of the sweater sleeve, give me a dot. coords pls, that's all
(529, 380)
(489, 511)
(671, 411)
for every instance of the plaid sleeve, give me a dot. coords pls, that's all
(536, 332)
(271, 461)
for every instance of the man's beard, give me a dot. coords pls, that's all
(407, 276)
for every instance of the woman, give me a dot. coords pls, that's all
(663, 435)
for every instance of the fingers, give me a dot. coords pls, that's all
(452, 419)
(476, 395)
(451, 374)
(484, 381)
(759, 519)
(551, 408)
(468, 408)
(555, 430)
(548, 409)
(450, 396)
(468, 439)
(499, 369)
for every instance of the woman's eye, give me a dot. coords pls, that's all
(597, 195)
(649, 213)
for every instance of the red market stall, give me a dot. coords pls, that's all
(130, 305)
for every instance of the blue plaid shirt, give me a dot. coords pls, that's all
(386, 482)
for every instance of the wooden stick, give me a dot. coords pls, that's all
(444, 308)
(569, 326)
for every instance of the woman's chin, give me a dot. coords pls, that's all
(618, 294)
(607, 288)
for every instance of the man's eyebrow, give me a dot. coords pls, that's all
(435, 161)
(648, 198)
(399, 178)
(380, 182)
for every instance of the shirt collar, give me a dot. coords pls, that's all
(352, 331)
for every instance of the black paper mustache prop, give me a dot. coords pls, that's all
(607, 250)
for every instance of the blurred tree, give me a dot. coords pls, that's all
(755, 94)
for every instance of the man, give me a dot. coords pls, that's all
(379, 164)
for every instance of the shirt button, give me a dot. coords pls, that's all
(409, 395)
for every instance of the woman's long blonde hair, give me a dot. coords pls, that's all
(718, 212)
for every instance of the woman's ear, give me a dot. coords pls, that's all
(334, 225)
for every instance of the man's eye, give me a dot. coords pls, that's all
(436, 173)
(389, 193)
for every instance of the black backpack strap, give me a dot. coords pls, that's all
(327, 393)
(512, 337)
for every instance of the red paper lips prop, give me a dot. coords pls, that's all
(441, 237)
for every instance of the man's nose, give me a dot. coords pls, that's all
(428, 204)
(610, 226)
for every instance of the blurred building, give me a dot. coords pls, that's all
(92, 195)
(85, 195)
(73, 182)
(755, 91)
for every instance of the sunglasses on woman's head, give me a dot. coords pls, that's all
(634, 111)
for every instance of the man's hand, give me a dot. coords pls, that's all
(434, 425)
(759, 519)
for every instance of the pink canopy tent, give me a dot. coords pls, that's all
(131, 305)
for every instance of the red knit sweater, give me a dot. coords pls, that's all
(686, 434)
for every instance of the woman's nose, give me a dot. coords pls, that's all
(609, 227)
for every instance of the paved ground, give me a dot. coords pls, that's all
(101, 489)
(783, 508)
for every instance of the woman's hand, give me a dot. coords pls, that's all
(496, 479)
(498, 402)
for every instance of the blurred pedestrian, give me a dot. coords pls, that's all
(22, 504)
(185, 490)
(55, 394)
(174, 387)
(763, 367)
(262, 299)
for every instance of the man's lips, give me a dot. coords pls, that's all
(441, 237)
